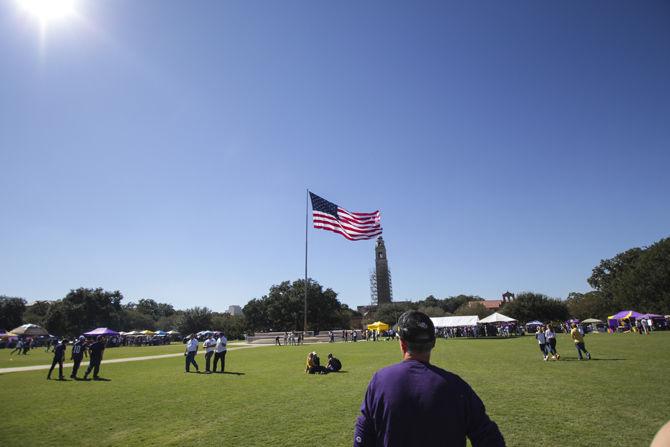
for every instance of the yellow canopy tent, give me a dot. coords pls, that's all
(147, 332)
(379, 326)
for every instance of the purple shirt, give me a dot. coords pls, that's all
(414, 403)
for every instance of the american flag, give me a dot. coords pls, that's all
(354, 226)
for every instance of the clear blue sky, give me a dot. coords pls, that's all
(163, 148)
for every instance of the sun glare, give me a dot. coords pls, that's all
(48, 10)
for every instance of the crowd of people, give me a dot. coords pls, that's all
(409, 403)
(215, 345)
(81, 348)
(546, 339)
(480, 330)
(292, 338)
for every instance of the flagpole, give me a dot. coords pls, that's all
(304, 327)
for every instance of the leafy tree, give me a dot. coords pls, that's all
(283, 307)
(56, 320)
(589, 305)
(451, 304)
(170, 323)
(232, 325)
(473, 308)
(84, 309)
(11, 312)
(528, 306)
(133, 319)
(432, 311)
(390, 312)
(256, 315)
(637, 279)
(605, 274)
(195, 320)
(37, 312)
(153, 309)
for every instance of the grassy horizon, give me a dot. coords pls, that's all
(267, 399)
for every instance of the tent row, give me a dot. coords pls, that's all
(470, 320)
(33, 330)
(112, 333)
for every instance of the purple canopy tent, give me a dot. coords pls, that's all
(101, 331)
(625, 314)
(613, 320)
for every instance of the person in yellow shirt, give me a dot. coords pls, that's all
(578, 338)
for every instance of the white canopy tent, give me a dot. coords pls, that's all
(466, 320)
(592, 320)
(496, 318)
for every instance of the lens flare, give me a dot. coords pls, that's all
(48, 10)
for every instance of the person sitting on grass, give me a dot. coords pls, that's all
(313, 365)
(334, 365)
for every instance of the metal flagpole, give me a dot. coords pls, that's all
(304, 328)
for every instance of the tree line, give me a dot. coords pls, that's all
(637, 279)
(84, 309)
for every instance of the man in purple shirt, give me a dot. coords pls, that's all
(414, 403)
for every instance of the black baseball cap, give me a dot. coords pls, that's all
(416, 327)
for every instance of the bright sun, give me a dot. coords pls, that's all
(48, 10)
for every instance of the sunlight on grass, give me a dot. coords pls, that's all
(270, 401)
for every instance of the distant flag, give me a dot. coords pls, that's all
(354, 226)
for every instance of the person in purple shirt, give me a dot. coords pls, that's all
(59, 356)
(414, 403)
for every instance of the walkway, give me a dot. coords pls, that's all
(107, 362)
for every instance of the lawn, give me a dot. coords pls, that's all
(622, 396)
(39, 356)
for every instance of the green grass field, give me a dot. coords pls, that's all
(620, 397)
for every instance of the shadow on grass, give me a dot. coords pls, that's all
(511, 337)
(569, 359)
(233, 373)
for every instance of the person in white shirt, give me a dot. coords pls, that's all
(208, 345)
(191, 351)
(542, 341)
(550, 335)
(220, 352)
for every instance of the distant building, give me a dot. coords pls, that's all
(235, 310)
(380, 280)
(495, 305)
(489, 304)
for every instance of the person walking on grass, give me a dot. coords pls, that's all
(542, 341)
(191, 351)
(18, 348)
(208, 345)
(578, 338)
(96, 349)
(550, 336)
(59, 356)
(78, 352)
(220, 352)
